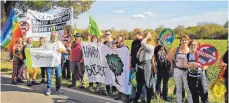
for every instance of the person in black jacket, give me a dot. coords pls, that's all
(163, 69)
(135, 46)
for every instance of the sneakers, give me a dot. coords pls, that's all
(60, 92)
(34, 83)
(19, 81)
(72, 85)
(118, 97)
(14, 82)
(143, 101)
(29, 83)
(49, 91)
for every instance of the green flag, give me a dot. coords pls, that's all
(92, 28)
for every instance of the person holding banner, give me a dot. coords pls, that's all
(76, 62)
(110, 43)
(43, 69)
(197, 81)
(29, 83)
(93, 39)
(56, 45)
(224, 65)
(180, 72)
(17, 61)
(144, 70)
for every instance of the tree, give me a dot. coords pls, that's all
(159, 29)
(180, 30)
(226, 25)
(79, 6)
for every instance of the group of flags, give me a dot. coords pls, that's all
(11, 31)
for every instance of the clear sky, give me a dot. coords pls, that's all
(151, 14)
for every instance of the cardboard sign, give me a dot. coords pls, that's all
(206, 55)
(24, 26)
(166, 37)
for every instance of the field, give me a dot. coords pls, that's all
(221, 45)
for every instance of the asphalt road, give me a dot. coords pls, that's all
(22, 94)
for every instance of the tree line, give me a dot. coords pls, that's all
(200, 31)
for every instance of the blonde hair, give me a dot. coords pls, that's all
(149, 40)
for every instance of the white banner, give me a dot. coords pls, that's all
(36, 57)
(41, 23)
(106, 65)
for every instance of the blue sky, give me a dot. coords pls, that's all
(151, 14)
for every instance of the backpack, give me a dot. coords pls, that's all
(192, 72)
(163, 62)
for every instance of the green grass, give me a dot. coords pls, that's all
(221, 45)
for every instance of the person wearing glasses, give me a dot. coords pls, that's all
(110, 43)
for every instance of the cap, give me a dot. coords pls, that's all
(77, 35)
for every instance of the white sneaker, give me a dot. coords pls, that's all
(49, 91)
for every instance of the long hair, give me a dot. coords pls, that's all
(149, 40)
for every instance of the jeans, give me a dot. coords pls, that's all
(180, 77)
(199, 89)
(49, 71)
(141, 82)
(162, 75)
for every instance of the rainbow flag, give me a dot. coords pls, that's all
(10, 32)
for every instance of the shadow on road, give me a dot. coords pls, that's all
(69, 96)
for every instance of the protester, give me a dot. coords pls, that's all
(163, 66)
(66, 40)
(120, 43)
(144, 72)
(56, 45)
(196, 75)
(35, 70)
(23, 66)
(94, 39)
(135, 46)
(43, 69)
(110, 43)
(17, 62)
(180, 72)
(223, 64)
(76, 62)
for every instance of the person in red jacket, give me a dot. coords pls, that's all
(76, 61)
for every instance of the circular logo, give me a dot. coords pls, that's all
(166, 37)
(206, 55)
(24, 26)
(38, 56)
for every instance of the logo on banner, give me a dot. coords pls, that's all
(166, 37)
(115, 64)
(206, 55)
(44, 57)
(24, 26)
(133, 79)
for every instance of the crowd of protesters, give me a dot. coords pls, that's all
(150, 60)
